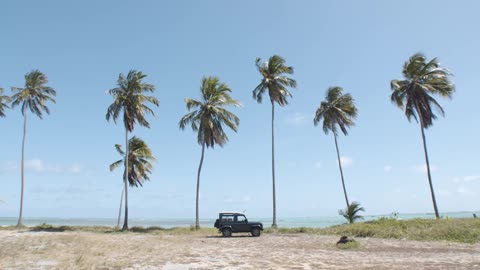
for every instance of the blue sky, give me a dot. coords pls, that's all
(82, 46)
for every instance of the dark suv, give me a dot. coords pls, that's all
(231, 222)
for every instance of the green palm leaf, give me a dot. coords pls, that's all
(4, 100)
(140, 159)
(208, 116)
(351, 213)
(129, 99)
(34, 95)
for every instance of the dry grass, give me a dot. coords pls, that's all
(205, 249)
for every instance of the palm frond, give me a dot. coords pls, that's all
(422, 79)
(4, 100)
(338, 110)
(129, 99)
(273, 78)
(140, 160)
(351, 213)
(209, 115)
(34, 95)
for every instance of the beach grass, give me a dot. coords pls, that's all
(462, 230)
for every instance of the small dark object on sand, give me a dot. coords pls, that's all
(344, 240)
(474, 215)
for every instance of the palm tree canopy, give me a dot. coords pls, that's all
(140, 160)
(34, 95)
(4, 100)
(129, 98)
(421, 80)
(351, 213)
(274, 80)
(208, 115)
(338, 109)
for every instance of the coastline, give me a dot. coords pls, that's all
(287, 222)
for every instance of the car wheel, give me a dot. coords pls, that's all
(255, 232)
(227, 232)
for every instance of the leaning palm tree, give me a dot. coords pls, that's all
(4, 100)
(129, 99)
(208, 118)
(140, 160)
(351, 212)
(274, 80)
(33, 96)
(414, 95)
(338, 111)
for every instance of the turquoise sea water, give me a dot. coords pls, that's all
(313, 222)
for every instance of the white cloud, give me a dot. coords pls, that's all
(34, 165)
(247, 198)
(444, 193)
(346, 161)
(39, 166)
(75, 168)
(464, 190)
(471, 178)
(387, 168)
(318, 165)
(423, 168)
(296, 118)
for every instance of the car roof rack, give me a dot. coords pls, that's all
(232, 212)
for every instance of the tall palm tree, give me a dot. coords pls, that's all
(422, 79)
(33, 96)
(129, 100)
(274, 80)
(208, 118)
(351, 212)
(140, 160)
(4, 100)
(338, 111)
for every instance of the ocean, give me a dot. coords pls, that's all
(290, 222)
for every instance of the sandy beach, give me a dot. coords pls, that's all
(93, 250)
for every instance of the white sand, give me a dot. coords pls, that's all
(85, 250)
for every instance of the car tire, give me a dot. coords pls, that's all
(226, 232)
(255, 232)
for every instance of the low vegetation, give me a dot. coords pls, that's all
(349, 245)
(466, 230)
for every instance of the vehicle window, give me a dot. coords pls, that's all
(241, 219)
(227, 218)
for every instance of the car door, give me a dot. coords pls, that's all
(241, 224)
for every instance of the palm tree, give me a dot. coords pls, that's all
(274, 80)
(422, 79)
(207, 118)
(33, 96)
(139, 163)
(130, 100)
(338, 111)
(351, 212)
(4, 100)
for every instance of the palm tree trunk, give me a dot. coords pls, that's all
(20, 216)
(341, 171)
(120, 209)
(274, 223)
(428, 170)
(125, 222)
(197, 219)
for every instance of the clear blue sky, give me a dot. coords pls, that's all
(82, 46)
